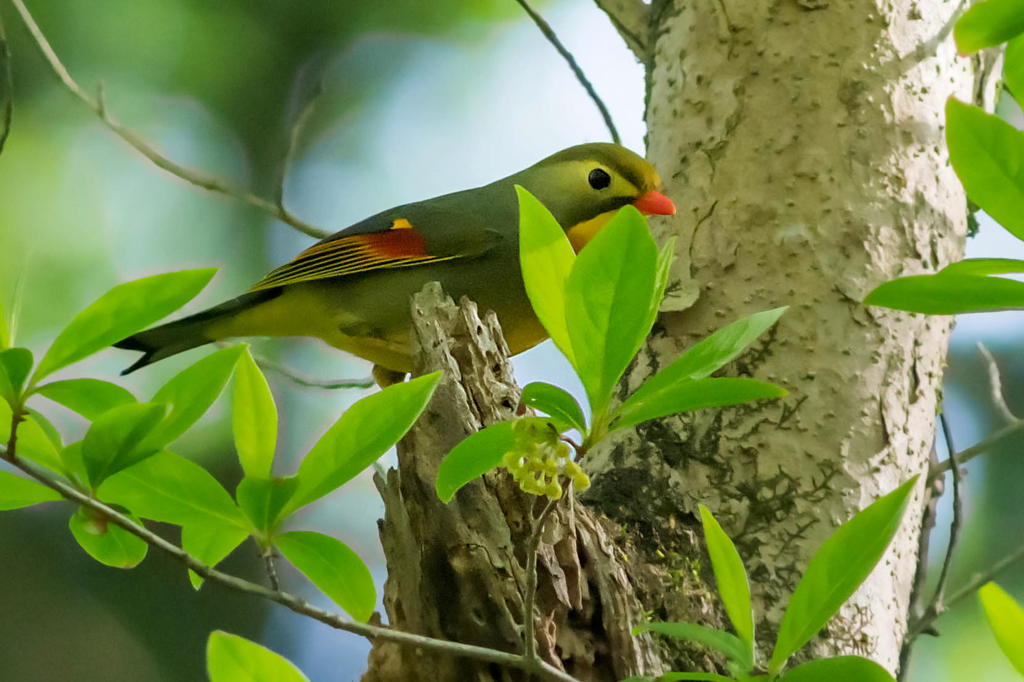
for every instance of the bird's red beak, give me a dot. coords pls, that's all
(655, 203)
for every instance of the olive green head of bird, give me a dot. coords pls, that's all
(583, 187)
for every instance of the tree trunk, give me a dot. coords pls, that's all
(803, 141)
(457, 571)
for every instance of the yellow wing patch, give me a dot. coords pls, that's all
(400, 246)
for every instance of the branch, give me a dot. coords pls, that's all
(549, 33)
(207, 182)
(933, 492)
(1015, 423)
(968, 589)
(271, 569)
(964, 456)
(939, 605)
(938, 602)
(294, 133)
(996, 382)
(307, 382)
(289, 601)
(956, 524)
(631, 18)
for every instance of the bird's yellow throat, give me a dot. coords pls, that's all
(581, 233)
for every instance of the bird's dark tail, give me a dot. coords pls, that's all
(182, 335)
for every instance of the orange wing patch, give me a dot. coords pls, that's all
(400, 246)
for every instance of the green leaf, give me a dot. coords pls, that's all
(48, 429)
(170, 488)
(557, 403)
(106, 543)
(546, 257)
(948, 294)
(119, 439)
(253, 418)
(88, 397)
(984, 266)
(719, 640)
(334, 568)
(72, 465)
(210, 543)
(1013, 68)
(35, 441)
(230, 658)
(988, 23)
(15, 364)
(689, 395)
(474, 456)
(838, 669)
(119, 313)
(837, 569)
(731, 577)
(192, 391)
(607, 302)
(666, 255)
(985, 152)
(365, 432)
(263, 500)
(710, 354)
(17, 492)
(1006, 618)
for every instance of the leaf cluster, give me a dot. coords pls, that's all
(124, 458)
(836, 570)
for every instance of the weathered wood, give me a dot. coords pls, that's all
(457, 570)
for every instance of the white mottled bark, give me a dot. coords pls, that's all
(803, 142)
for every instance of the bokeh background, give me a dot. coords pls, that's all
(420, 98)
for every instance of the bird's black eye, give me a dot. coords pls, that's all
(599, 178)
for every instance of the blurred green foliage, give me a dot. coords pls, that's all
(215, 86)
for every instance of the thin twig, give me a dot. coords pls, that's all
(6, 87)
(955, 526)
(966, 455)
(972, 586)
(289, 601)
(984, 577)
(300, 380)
(549, 33)
(933, 492)
(298, 126)
(271, 569)
(530, 598)
(207, 182)
(996, 383)
(939, 602)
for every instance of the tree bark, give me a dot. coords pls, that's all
(803, 141)
(457, 571)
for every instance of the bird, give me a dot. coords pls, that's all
(353, 288)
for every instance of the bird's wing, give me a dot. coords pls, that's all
(400, 245)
